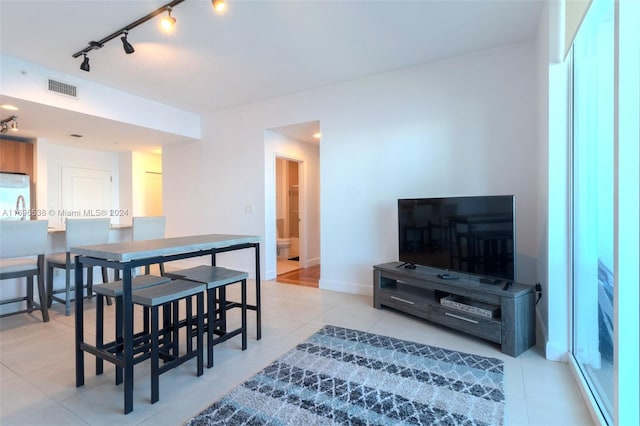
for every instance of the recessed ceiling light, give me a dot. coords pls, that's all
(9, 107)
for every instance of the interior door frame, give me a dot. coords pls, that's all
(69, 202)
(302, 248)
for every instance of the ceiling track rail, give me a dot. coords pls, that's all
(94, 45)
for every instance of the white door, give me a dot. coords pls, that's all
(86, 192)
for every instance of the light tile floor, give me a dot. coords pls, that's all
(37, 365)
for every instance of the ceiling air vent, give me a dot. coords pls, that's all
(62, 88)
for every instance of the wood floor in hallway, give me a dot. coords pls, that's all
(308, 277)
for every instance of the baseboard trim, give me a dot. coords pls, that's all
(343, 287)
(270, 274)
(311, 262)
(542, 328)
(552, 350)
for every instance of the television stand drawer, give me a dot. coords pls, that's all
(407, 299)
(489, 329)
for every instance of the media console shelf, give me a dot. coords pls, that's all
(487, 310)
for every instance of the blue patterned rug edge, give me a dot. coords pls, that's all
(344, 376)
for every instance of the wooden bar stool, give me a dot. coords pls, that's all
(165, 295)
(216, 279)
(114, 289)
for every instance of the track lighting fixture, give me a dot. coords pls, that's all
(5, 124)
(84, 66)
(128, 48)
(168, 22)
(95, 45)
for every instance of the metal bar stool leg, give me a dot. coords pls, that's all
(211, 321)
(200, 334)
(155, 357)
(119, 338)
(42, 294)
(169, 295)
(30, 294)
(244, 314)
(189, 324)
(99, 333)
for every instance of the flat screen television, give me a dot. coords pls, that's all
(473, 235)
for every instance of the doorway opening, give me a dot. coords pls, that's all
(153, 193)
(292, 217)
(287, 215)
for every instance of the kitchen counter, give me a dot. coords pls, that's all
(54, 230)
(56, 244)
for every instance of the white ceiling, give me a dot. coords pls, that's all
(304, 132)
(258, 50)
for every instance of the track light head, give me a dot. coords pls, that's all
(168, 22)
(84, 66)
(5, 124)
(219, 6)
(128, 48)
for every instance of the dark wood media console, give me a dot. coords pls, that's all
(492, 311)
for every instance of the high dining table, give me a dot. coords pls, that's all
(125, 257)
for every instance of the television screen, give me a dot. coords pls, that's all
(474, 235)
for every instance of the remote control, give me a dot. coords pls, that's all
(447, 277)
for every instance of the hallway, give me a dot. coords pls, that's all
(308, 277)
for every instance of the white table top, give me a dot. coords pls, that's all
(133, 250)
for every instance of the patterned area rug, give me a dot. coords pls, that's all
(342, 376)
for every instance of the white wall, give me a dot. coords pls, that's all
(309, 156)
(542, 59)
(144, 163)
(126, 187)
(52, 158)
(281, 191)
(554, 272)
(24, 80)
(207, 185)
(461, 126)
(127, 170)
(134, 193)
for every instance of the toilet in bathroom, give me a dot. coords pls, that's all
(282, 244)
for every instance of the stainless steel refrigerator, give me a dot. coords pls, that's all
(15, 196)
